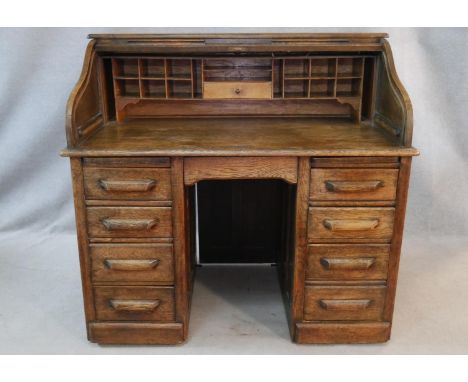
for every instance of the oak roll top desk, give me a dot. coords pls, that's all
(321, 118)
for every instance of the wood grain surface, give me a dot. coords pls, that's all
(255, 136)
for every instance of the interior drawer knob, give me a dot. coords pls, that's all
(345, 305)
(131, 265)
(142, 185)
(237, 91)
(350, 224)
(134, 305)
(343, 263)
(353, 186)
(129, 224)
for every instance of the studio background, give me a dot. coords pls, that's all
(40, 290)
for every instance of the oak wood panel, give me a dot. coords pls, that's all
(131, 333)
(394, 110)
(255, 136)
(347, 262)
(83, 114)
(82, 234)
(279, 107)
(342, 332)
(132, 262)
(300, 243)
(348, 203)
(130, 203)
(356, 162)
(132, 303)
(231, 89)
(334, 303)
(197, 169)
(182, 38)
(129, 221)
(127, 183)
(127, 162)
(131, 240)
(181, 224)
(214, 43)
(353, 184)
(338, 223)
(395, 248)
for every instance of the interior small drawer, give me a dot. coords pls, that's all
(333, 223)
(335, 303)
(127, 183)
(132, 263)
(353, 184)
(347, 261)
(134, 303)
(240, 89)
(129, 221)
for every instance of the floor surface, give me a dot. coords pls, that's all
(235, 310)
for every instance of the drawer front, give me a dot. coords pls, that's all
(353, 184)
(347, 262)
(229, 89)
(132, 262)
(330, 303)
(331, 223)
(134, 303)
(129, 221)
(127, 183)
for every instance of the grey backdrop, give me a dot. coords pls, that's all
(40, 293)
(39, 67)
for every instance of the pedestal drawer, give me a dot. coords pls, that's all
(132, 262)
(347, 262)
(134, 303)
(335, 303)
(332, 223)
(127, 183)
(129, 221)
(353, 184)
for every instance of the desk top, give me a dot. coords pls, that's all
(244, 136)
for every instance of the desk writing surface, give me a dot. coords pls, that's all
(215, 136)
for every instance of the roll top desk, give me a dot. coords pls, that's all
(321, 119)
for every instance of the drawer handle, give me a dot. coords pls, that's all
(350, 224)
(342, 263)
(237, 91)
(129, 224)
(345, 186)
(143, 185)
(134, 305)
(131, 265)
(347, 305)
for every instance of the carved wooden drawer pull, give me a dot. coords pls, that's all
(353, 186)
(348, 305)
(129, 224)
(343, 263)
(142, 185)
(131, 265)
(134, 305)
(350, 224)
